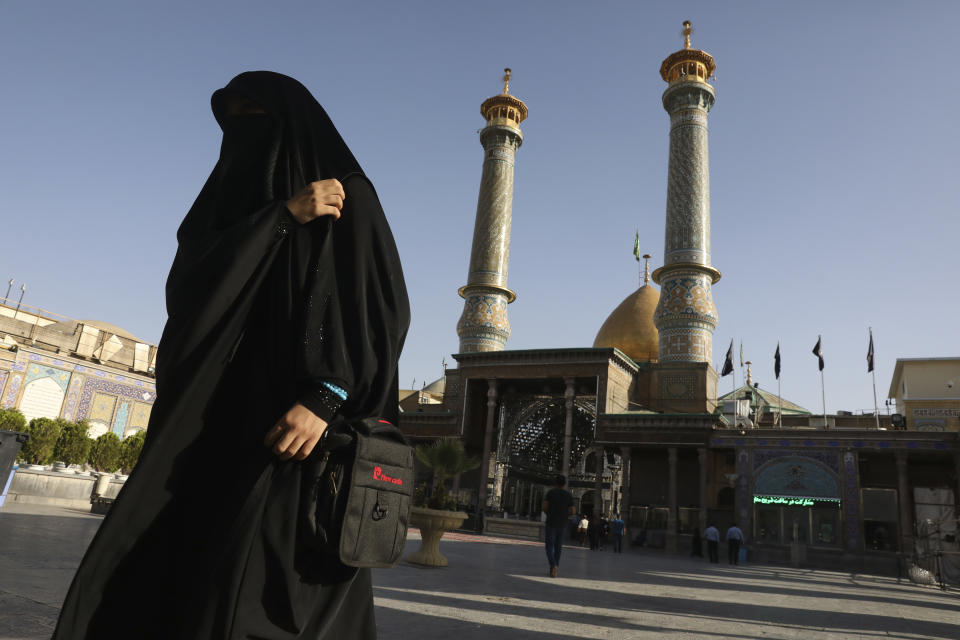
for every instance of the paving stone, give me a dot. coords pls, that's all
(497, 587)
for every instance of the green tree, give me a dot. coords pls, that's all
(130, 450)
(12, 420)
(73, 445)
(44, 433)
(446, 458)
(105, 453)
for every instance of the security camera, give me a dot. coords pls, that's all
(949, 384)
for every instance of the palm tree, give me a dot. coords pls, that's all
(447, 458)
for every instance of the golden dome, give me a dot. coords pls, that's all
(630, 327)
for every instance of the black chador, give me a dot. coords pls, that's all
(263, 312)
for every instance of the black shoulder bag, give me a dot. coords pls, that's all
(359, 494)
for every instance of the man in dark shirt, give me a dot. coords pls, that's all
(558, 505)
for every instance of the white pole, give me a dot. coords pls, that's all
(779, 404)
(824, 394)
(876, 411)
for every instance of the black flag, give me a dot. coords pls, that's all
(818, 351)
(728, 363)
(870, 354)
(776, 362)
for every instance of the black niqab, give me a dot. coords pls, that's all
(203, 540)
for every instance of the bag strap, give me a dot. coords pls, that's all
(342, 432)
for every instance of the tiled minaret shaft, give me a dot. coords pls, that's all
(483, 326)
(685, 316)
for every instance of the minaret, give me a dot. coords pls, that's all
(685, 316)
(484, 325)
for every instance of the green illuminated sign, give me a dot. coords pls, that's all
(794, 501)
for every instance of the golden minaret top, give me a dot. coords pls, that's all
(688, 64)
(504, 109)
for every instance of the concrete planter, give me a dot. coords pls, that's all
(432, 524)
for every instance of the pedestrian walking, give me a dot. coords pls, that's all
(712, 534)
(619, 528)
(696, 545)
(574, 526)
(582, 527)
(734, 540)
(557, 507)
(593, 532)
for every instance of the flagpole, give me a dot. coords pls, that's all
(823, 391)
(779, 405)
(776, 370)
(876, 411)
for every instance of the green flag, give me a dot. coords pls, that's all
(636, 246)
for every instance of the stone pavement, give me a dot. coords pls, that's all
(498, 588)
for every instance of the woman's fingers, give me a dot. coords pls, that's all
(306, 448)
(296, 434)
(273, 434)
(290, 450)
(319, 198)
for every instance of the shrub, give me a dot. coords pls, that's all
(446, 457)
(420, 495)
(73, 445)
(44, 433)
(105, 453)
(12, 420)
(130, 450)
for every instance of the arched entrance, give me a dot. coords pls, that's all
(530, 450)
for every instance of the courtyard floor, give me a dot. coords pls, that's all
(497, 587)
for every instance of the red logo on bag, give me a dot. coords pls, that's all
(378, 474)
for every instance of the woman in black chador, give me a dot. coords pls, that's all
(286, 306)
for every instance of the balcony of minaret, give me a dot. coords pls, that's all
(687, 72)
(688, 64)
(504, 110)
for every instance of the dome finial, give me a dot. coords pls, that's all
(646, 269)
(687, 30)
(503, 108)
(749, 374)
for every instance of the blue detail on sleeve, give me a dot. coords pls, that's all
(342, 394)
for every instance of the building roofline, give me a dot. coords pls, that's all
(898, 370)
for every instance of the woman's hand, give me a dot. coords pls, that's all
(296, 433)
(320, 198)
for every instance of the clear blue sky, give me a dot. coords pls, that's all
(833, 151)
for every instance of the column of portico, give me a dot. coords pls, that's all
(672, 499)
(903, 498)
(568, 396)
(487, 440)
(598, 484)
(956, 466)
(625, 453)
(702, 459)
